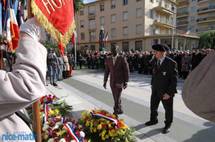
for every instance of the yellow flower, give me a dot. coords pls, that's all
(99, 127)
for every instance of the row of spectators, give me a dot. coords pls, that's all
(140, 61)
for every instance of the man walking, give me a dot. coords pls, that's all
(117, 66)
(164, 82)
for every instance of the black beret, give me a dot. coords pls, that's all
(160, 47)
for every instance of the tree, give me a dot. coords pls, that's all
(207, 40)
(78, 5)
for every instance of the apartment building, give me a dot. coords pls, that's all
(131, 24)
(196, 15)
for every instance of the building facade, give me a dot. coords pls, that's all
(196, 15)
(131, 24)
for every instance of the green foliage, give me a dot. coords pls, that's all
(78, 5)
(207, 40)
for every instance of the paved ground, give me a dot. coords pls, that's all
(84, 91)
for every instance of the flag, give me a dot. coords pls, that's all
(1, 6)
(57, 17)
(74, 36)
(12, 28)
(106, 37)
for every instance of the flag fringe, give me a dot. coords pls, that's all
(64, 39)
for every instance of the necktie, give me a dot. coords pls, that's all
(158, 63)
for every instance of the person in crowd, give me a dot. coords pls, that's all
(117, 66)
(52, 62)
(66, 72)
(25, 84)
(60, 69)
(164, 82)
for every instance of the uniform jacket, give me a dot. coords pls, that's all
(164, 78)
(23, 86)
(119, 72)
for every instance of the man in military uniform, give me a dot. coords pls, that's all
(117, 66)
(164, 82)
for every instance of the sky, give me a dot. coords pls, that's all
(87, 1)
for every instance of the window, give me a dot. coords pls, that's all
(82, 23)
(113, 4)
(82, 36)
(151, 14)
(113, 18)
(102, 7)
(92, 24)
(139, 45)
(125, 46)
(125, 16)
(139, 29)
(125, 2)
(82, 12)
(91, 10)
(139, 12)
(92, 36)
(113, 33)
(102, 21)
(125, 30)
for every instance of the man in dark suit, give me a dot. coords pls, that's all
(117, 66)
(164, 82)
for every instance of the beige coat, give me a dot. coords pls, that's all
(199, 89)
(23, 86)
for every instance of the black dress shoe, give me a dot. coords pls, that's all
(118, 112)
(150, 123)
(166, 129)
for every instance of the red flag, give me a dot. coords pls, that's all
(57, 17)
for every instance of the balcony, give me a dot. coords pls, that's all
(92, 16)
(162, 9)
(183, 3)
(204, 29)
(163, 24)
(181, 23)
(173, 1)
(206, 9)
(206, 20)
(182, 14)
(201, 1)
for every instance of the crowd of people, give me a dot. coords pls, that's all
(140, 61)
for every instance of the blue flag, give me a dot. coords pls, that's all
(1, 18)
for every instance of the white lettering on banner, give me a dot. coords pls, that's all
(54, 4)
(46, 5)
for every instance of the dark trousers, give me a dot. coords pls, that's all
(116, 91)
(167, 104)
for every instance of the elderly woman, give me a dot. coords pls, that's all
(25, 84)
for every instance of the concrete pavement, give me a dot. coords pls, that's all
(84, 91)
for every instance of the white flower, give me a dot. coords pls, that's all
(62, 140)
(51, 140)
(82, 134)
(72, 141)
(45, 127)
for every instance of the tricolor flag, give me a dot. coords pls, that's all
(69, 127)
(12, 28)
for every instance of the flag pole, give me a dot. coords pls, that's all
(35, 108)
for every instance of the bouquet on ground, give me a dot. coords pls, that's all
(57, 125)
(102, 126)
